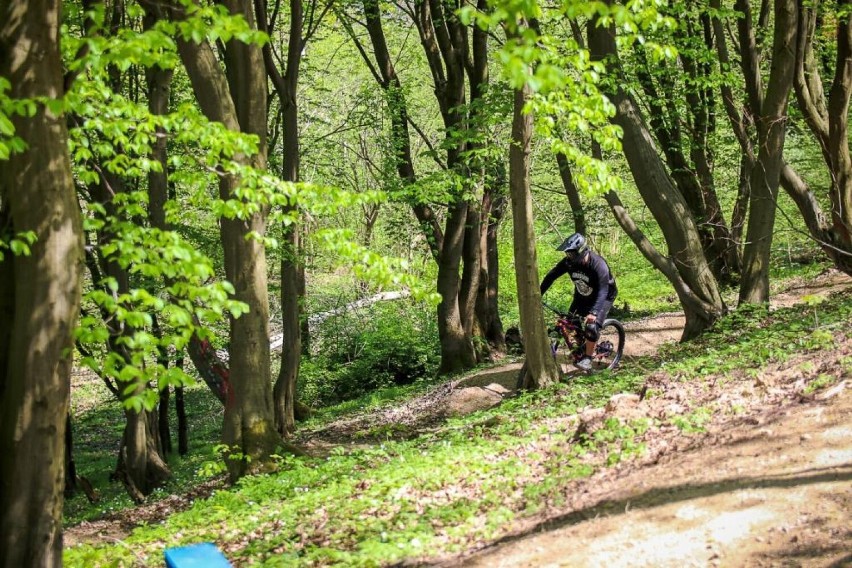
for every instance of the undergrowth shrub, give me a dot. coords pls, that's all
(391, 343)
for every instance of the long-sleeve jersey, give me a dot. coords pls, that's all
(593, 281)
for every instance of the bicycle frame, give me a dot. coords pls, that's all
(570, 330)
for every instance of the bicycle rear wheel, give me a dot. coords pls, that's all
(610, 347)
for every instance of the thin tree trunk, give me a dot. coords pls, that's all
(487, 309)
(577, 211)
(163, 429)
(740, 124)
(292, 273)
(765, 177)
(39, 293)
(291, 349)
(471, 270)
(180, 412)
(475, 258)
(738, 217)
(541, 367)
(70, 466)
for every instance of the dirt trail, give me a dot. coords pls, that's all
(777, 494)
(644, 337)
(770, 488)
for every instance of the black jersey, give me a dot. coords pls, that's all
(594, 285)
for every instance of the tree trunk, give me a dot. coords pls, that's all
(39, 293)
(541, 367)
(445, 44)
(249, 423)
(159, 88)
(665, 202)
(572, 193)
(688, 299)
(163, 430)
(159, 83)
(70, 466)
(140, 462)
(141, 466)
(487, 308)
(457, 353)
(765, 177)
(828, 121)
(838, 144)
(471, 271)
(292, 274)
(477, 305)
(740, 124)
(291, 349)
(180, 410)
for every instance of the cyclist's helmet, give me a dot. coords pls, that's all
(574, 246)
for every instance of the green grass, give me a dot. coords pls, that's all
(96, 436)
(441, 491)
(433, 493)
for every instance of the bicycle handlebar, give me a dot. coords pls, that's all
(549, 307)
(555, 311)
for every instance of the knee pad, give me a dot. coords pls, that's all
(593, 331)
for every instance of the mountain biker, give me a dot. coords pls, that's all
(594, 288)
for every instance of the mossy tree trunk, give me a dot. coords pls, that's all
(237, 99)
(39, 293)
(766, 176)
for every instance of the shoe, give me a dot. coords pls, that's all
(584, 364)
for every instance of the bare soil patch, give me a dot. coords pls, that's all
(767, 484)
(775, 493)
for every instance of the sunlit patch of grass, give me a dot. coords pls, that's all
(693, 422)
(820, 382)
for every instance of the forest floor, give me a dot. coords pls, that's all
(770, 487)
(767, 485)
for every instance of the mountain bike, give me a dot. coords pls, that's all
(568, 343)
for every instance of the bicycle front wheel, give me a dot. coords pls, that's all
(610, 347)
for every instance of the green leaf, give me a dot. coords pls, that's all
(6, 126)
(55, 106)
(19, 248)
